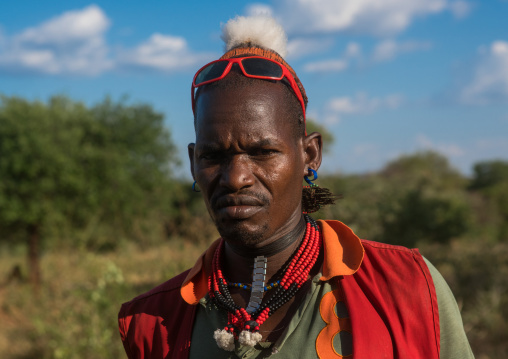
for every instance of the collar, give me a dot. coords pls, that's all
(342, 250)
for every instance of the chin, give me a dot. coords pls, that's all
(242, 234)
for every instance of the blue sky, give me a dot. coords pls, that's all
(387, 77)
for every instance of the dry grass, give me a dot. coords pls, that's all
(74, 315)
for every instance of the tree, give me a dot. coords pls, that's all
(425, 200)
(489, 173)
(490, 181)
(428, 167)
(62, 163)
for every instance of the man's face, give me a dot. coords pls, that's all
(248, 163)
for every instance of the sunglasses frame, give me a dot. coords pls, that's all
(238, 60)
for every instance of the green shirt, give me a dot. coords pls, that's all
(298, 338)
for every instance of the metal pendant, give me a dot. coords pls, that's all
(258, 284)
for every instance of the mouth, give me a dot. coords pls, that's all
(237, 207)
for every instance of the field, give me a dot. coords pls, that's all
(74, 314)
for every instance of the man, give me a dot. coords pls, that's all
(277, 282)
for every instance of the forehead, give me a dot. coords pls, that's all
(254, 109)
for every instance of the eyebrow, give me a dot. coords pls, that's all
(208, 147)
(264, 142)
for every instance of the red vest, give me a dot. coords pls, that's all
(391, 301)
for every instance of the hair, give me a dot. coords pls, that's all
(261, 30)
(235, 80)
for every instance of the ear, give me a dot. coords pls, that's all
(313, 148)
(190, 149)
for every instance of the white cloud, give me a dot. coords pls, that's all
(326, 66)
(161, 53)
(361, 103)
(448, 149)
(373, 17)
(460, 9)
(74, 43)
(71, 26)
(352, 52)
(490, 79)
(389, 49)
(70, 43)
(353, 49)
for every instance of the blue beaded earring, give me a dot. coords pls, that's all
(314, 177)
(195, 188)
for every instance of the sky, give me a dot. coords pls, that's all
(386, 77)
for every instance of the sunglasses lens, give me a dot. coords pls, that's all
(211, 72)
(262, 67)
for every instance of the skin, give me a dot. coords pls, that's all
(250, 166)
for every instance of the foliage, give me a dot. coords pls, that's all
(426, 201)
(490, 180)
(38, 166)
(477, 273)
(66, 167)
(489, 173)
(412, 199)
(424, 215)
(63, 161)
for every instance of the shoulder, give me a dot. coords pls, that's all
(157, 322)
(392, 254)
(395, 268)
(384, 246)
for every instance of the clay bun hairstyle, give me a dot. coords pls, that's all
(258, 36)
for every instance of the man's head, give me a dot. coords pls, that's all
(250, 157)
(251, 151)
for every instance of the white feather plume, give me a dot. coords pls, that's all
(260, 30)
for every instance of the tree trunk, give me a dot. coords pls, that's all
(33, 256)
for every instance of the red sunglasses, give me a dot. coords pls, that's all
(256, 67)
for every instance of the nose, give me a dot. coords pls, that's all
(236, 174)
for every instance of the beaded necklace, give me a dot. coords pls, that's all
(247, 286)
(243, 323)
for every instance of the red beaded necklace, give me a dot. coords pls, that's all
(243, 325)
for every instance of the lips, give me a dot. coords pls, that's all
(237, 207)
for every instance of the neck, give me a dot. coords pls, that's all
(273, 247)
(239, 261)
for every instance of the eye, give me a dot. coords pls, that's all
(210, 156)
(263, 152)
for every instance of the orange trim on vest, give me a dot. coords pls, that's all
(195, 285)
(343, 250)
(334, 325)
(343, 255)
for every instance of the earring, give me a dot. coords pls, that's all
(195, 188)
(314, 177)
(313, 196)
